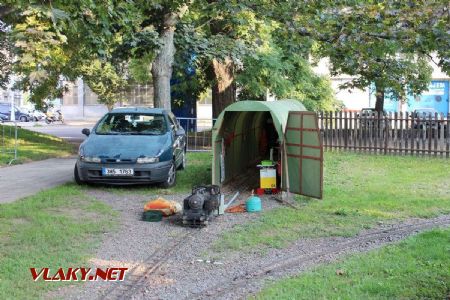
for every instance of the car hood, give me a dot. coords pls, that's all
(125, 146)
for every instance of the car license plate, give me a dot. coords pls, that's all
(117, 172)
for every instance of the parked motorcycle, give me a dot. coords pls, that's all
(37, 115)
(52, 117)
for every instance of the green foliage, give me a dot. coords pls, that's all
(417, 268)
(140, 69)
(104, 80)
(383, 42)
(316, 94)
(269, 42)
(61, 38)
(5, 56)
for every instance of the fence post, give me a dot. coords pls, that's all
(401, 134)
(345, 130)
(447, 137)
(386, 129)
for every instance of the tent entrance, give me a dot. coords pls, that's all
(304, 154)
(244, 140)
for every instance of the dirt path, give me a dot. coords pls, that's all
(168, 261)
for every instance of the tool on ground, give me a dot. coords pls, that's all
(238, 208)
(199, 207)
(222, 206)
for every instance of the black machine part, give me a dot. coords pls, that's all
(199, 207)
(196, 201)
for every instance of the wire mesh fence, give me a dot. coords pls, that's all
(400, 133)
(8, 143)
(198, 133)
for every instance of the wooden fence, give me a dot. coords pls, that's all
(391, 133)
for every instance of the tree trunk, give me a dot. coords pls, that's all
(162, 70)
(379, 95)
(224, 88)
(162, 65)
(221, 73)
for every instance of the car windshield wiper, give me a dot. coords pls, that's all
(107, 133)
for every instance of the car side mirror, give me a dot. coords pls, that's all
(180, 131)
(86, 131)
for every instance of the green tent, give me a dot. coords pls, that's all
(240, 132)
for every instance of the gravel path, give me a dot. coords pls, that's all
(168, 261)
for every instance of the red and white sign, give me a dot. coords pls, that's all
(79, 274)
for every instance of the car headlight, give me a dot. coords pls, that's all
(91, 159)
(147, 160)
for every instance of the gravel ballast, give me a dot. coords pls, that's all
(168, 261)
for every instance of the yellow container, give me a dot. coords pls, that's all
(268, 178)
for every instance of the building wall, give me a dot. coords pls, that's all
(80, 102)
(356, 99)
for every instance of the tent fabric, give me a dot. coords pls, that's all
(237, 134)
(278, 109)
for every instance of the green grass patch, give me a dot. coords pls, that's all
(359, 191)
(56, 228)
(418, 268)
(198, 171)
(31, 145)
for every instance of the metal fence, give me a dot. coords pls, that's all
(8, 143)
(386, 133)
(198, 133)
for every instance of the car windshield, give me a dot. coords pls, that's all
(132, 124)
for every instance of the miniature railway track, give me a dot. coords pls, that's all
(137, 277)
(223, 288)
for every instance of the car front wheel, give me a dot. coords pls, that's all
(171, 177)
(77, 176)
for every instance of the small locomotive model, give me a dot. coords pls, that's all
(201, 205)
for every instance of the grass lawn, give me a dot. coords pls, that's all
(198, 171)
(54, 228)
(32, 145)
(417, 268)
(359, 191)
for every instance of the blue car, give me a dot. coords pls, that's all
(3, 118)
(132, 146)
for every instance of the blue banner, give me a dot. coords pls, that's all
(436, 97)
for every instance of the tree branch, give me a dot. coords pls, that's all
(432, 59)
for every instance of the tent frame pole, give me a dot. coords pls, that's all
(285, 171)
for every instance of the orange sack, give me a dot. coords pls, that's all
(167, 207)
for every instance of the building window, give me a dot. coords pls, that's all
(90, 98)
(138, 95)
(71, 96)
(17, 98)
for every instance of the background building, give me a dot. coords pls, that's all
(79, 102)
(436, 97)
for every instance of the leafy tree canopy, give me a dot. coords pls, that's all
(269, 43)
